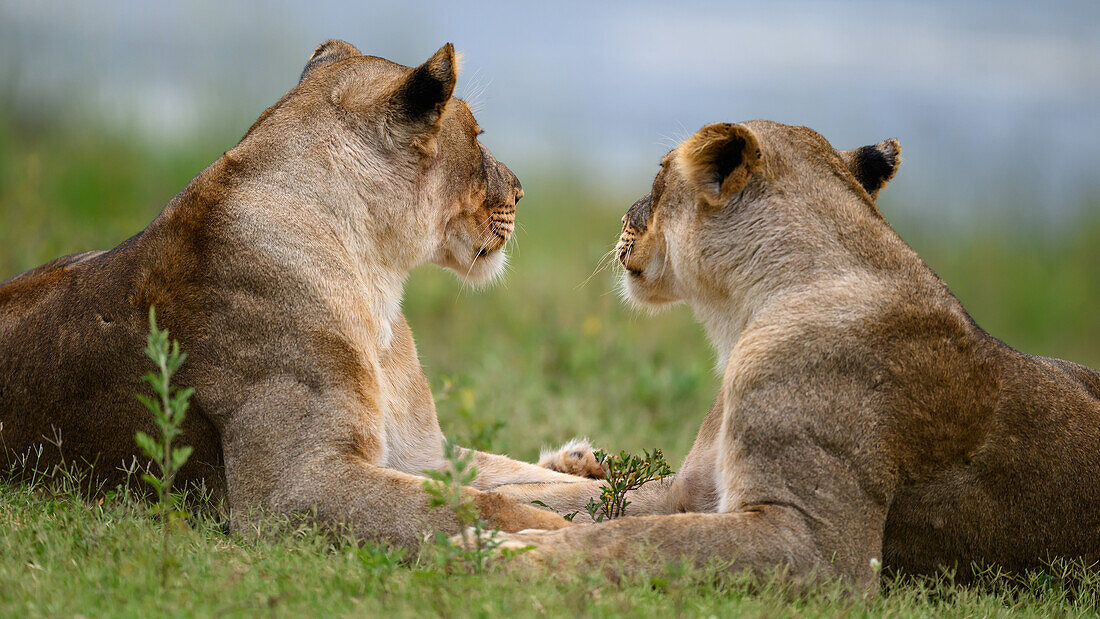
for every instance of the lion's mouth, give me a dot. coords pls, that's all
(623, 253)
(501, 225)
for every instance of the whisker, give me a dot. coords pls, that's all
(467, 87)
(684, 133)
(604, 261)
(484, 224)
(474, 91)
(666, 140)
(464, 282)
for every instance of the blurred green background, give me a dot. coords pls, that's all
(107, 109)
(551, 352)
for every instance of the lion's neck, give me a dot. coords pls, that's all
(830, 286)
(382, 241)
(724, 319)
(771, 267)
(357, 265)
(386, 290)
(377, 277)
(728, 302)
(356, 253)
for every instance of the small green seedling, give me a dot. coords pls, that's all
(169, 408)
(446, 488)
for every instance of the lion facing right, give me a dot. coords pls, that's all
(864, 418)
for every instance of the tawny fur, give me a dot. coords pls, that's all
(280, 269)
(864, 418)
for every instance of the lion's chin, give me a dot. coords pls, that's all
(485, 269)
(639, 293)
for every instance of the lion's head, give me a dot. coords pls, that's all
(734, 203)
(394, 156)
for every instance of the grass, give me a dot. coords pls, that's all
(537, 360)
(63, 556)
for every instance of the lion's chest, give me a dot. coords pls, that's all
(412, 438)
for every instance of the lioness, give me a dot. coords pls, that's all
(864, 419)
(280, 269)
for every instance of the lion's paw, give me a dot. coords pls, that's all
(469, 539)
(574, 458)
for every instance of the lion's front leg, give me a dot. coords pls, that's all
(532, 484)
(586, 484)
(573, 462)
(291, 454)
(494, 471)
(653, 497)
(767, 539)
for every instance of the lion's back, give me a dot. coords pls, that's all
(70, 362)
(1030, 486)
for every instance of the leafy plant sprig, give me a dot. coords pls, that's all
(446, 488)
(169, 409)
(625, 473)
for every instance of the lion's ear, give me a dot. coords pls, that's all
(719, 159)
(328, 53)
(873, 165)
(421, 95)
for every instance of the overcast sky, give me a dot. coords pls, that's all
(997, 105)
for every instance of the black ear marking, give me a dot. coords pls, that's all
(328, 53)
(874, 165)
(429, 86)
(422, 92)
